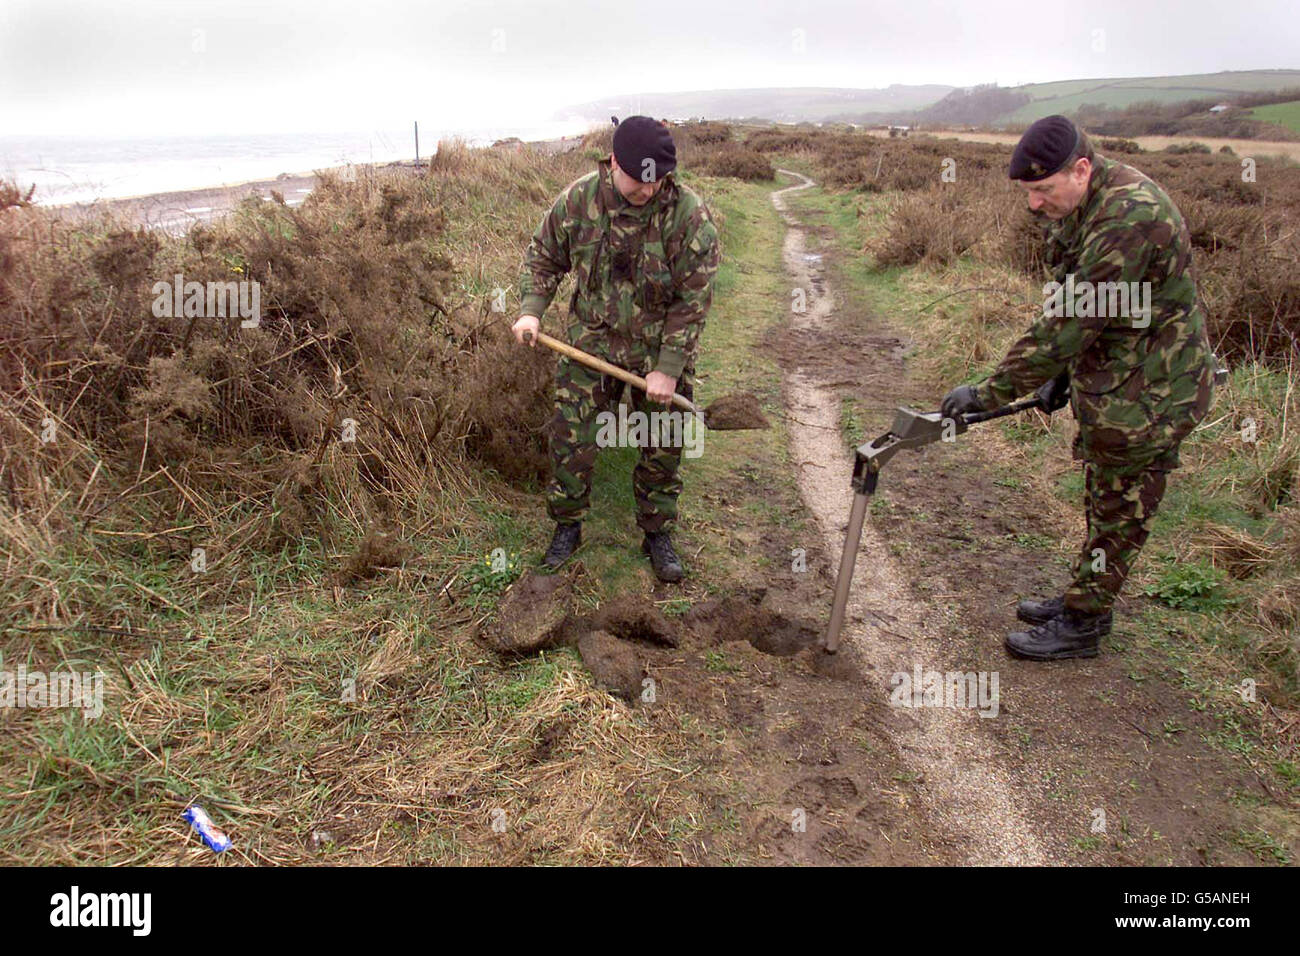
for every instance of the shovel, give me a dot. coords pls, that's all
(727, 413)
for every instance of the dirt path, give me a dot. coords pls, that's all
(1103, 761)
(963, 786)
(1109, 760)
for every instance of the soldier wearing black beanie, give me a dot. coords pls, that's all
(644, 251)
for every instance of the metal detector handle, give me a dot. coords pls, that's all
(1024, 405)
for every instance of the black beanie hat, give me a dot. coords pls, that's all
(1044, 149)
(641, 138)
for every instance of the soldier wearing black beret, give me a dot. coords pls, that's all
(1138, 381)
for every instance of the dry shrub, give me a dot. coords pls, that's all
(366, 316)
(1273, 478)
(11, 196)
(926, 227)
(452, 155)
(1250, 289)
(602, 140)
(376, 552)
(874, 164)
(888, 165)
(780, 141)
(701, 133)
(1288, 524)
(1278, 607)
(1216, 226)
(1113, 145)
(1225, 187)
(1235, 552)
(508, 401)
(1022, 243)
(738, 162)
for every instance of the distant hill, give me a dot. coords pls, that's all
(977, 106)
(935, 104)
(782, 105)
(1068, 95)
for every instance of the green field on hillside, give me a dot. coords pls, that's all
(1068, 95)
(1284, 114)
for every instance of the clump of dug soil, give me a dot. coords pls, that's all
(735, 412)
(533, 615)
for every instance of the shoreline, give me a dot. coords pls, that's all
(177, 211)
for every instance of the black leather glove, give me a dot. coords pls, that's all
(960, 401)
(1055, 394)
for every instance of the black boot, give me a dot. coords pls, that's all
(564, 543)
(659, 546)
(1070, 634)
(1040, 612)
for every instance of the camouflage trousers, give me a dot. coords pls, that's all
(581, 394)
(1121, 504)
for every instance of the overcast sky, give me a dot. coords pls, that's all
(160, 66)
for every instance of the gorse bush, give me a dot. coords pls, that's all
(926, 227)
(738, 162)
(377, 371)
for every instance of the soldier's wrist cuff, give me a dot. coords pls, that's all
(671, 362)
(985, 396)
(534, 304)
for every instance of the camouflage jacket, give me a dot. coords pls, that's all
(1140, 379)
(643, 275)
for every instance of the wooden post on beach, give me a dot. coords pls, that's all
(417, 144)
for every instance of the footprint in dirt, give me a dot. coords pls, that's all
(814, 793)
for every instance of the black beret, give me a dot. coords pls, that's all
(1044, 149)
(639, 138)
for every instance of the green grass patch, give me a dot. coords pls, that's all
(1284, 114)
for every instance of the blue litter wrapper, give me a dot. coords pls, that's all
(216, 839)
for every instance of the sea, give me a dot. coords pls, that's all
(72, 169)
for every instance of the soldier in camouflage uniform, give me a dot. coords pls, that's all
(1138, 383)
(643, 251)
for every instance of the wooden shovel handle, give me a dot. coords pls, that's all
(600, 365)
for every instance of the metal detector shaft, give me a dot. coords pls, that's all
(847, 560)
(852, 538)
